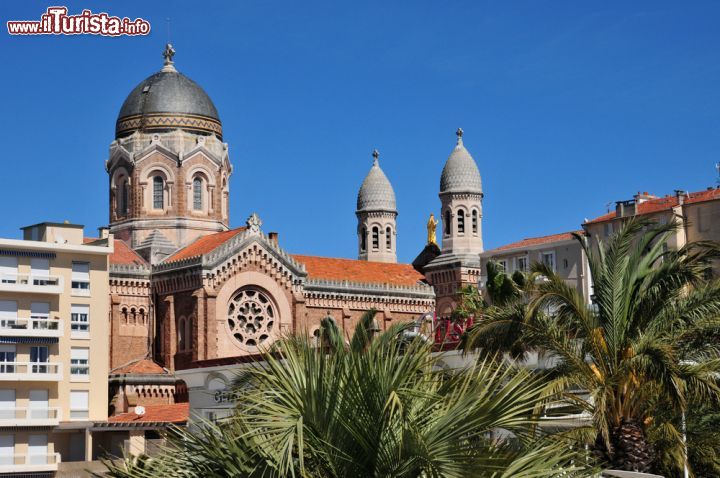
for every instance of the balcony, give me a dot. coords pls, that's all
(29, 463)
(30, 417)
(30, 372)
(35, 284)
(22, 327)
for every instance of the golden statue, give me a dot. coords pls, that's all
(431, 226)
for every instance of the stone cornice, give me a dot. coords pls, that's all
(461, 195)
(129, 271)
(419, 291)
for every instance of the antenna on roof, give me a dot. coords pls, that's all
(607, 205)
(717, 167)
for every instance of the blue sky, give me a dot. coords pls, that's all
(566, 106)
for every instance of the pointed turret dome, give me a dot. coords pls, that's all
(376, 192)
(460, 174)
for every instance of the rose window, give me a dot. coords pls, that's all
(251, 317)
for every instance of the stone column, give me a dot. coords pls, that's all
(136, 442)
(210, 328)
(198, 336)
(88, 445)
(170, 340)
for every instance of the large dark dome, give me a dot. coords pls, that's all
(168, 100)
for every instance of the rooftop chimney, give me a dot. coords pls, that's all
(273, 236)
(641, 197)
(681, 196)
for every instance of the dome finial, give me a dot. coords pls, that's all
(168, 54)
(459, 134)
(376, 155)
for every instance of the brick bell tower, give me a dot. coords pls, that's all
(168, 168)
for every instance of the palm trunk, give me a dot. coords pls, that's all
(632, 451)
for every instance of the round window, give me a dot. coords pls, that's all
(251, 317)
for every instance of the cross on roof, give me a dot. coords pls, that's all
(169, 53)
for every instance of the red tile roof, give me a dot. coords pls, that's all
(536, 241)
(664, 203)
(175, 413)
(123, 255)
(205, 244)
(359, 271)
(140, 367)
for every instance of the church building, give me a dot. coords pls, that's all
(191, 292)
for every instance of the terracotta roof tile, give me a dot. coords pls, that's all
(175, 413)
(122, 254)
(205, 244)
(140, 367)
(664, 203)
(359, 271)
(536, 241)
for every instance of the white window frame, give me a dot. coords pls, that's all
(80, 279)
(79, 329)
(40, 270)
(8, 269)
(79, 364)
(517, 263)
(79, 404)
(551, 254)
(8, 313)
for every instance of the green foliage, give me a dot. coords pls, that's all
(381, 406)
(645, 343)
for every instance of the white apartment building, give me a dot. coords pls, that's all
(53, 347)
(560, 252)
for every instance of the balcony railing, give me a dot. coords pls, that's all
(22, 327)
(31, 371)
(27, 417)
(45, 284)
(29, 463)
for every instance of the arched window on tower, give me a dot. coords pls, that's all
(182, 333)
(189, 334)
(376, 237)
(475, 221)
(363, 239)
(122, 197)
(158, 193)
(446, 222)
(224, 198)
(461, 221)
(388, 238)
(197, 187)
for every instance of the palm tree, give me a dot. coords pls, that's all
(644, 342)
(380, 406)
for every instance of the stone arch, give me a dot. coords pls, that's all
(216, 381)
(460, 216)
(152, 171)
(475, 220)
(228, 345)
(200, 197)
(120, 192)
